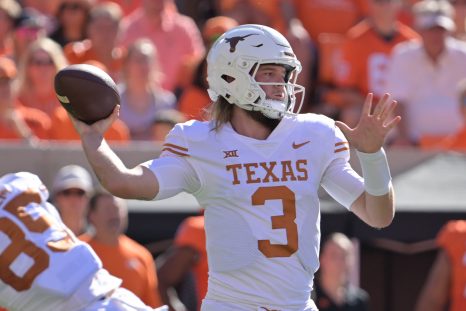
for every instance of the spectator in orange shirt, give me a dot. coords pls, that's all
(446, 283)
(16, 121)
(120, 255)
(72, 17)
(176, 36)
(273, 13)
(187, 254)
(194, 98)
(10, 10)
(142, 98)
(323, 16)
(101, 45)
(37, 69)
(365, 56)
(62, 129)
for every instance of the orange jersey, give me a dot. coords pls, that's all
(455, 142)
(47, 103)
(38, 122)
(193, 101)
(365, 57)
(83, 52)
(336, 16)
(452, 238)
(131, 262)
(191, 233)
(63, 129)
(270, 9)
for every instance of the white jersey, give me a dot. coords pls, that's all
(262, 215)
(43, 265)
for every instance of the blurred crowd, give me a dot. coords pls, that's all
(155, 51)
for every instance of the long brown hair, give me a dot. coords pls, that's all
(220, 112)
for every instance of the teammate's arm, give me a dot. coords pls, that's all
(136, 183)
(434, 295)
(176, 264)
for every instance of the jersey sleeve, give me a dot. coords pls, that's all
(173, 170)
(339, 179)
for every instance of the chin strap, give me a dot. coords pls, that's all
(274, 109)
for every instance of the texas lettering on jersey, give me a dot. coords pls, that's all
(267, 172)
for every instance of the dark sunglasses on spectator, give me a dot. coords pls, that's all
(40, 62)
(72, 192)
(72, 6)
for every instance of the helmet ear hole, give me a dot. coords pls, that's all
(228, 78)
(253, 69)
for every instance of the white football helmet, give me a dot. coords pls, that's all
(234, 59)
(23, 181)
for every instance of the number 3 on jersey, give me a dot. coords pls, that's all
(285, 221)
(20, 245)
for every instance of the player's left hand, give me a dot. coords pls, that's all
(369, 134)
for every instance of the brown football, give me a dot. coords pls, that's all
(87, 92)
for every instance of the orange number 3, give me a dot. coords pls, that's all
(20, 245)
(285, 221)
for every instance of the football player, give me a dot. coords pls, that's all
(256, 167)
(43, 265)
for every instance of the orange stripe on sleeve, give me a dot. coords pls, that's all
(341, 149)
(175, 146)
(344, 144)
(175, 152)
(341, 143)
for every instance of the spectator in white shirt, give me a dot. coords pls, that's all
(423, 75)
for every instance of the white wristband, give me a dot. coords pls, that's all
(375, 171)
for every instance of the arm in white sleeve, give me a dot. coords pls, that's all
(174, 175)
(342, 182)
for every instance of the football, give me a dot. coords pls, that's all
(86, 92)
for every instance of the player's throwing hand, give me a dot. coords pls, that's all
(369, 134)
